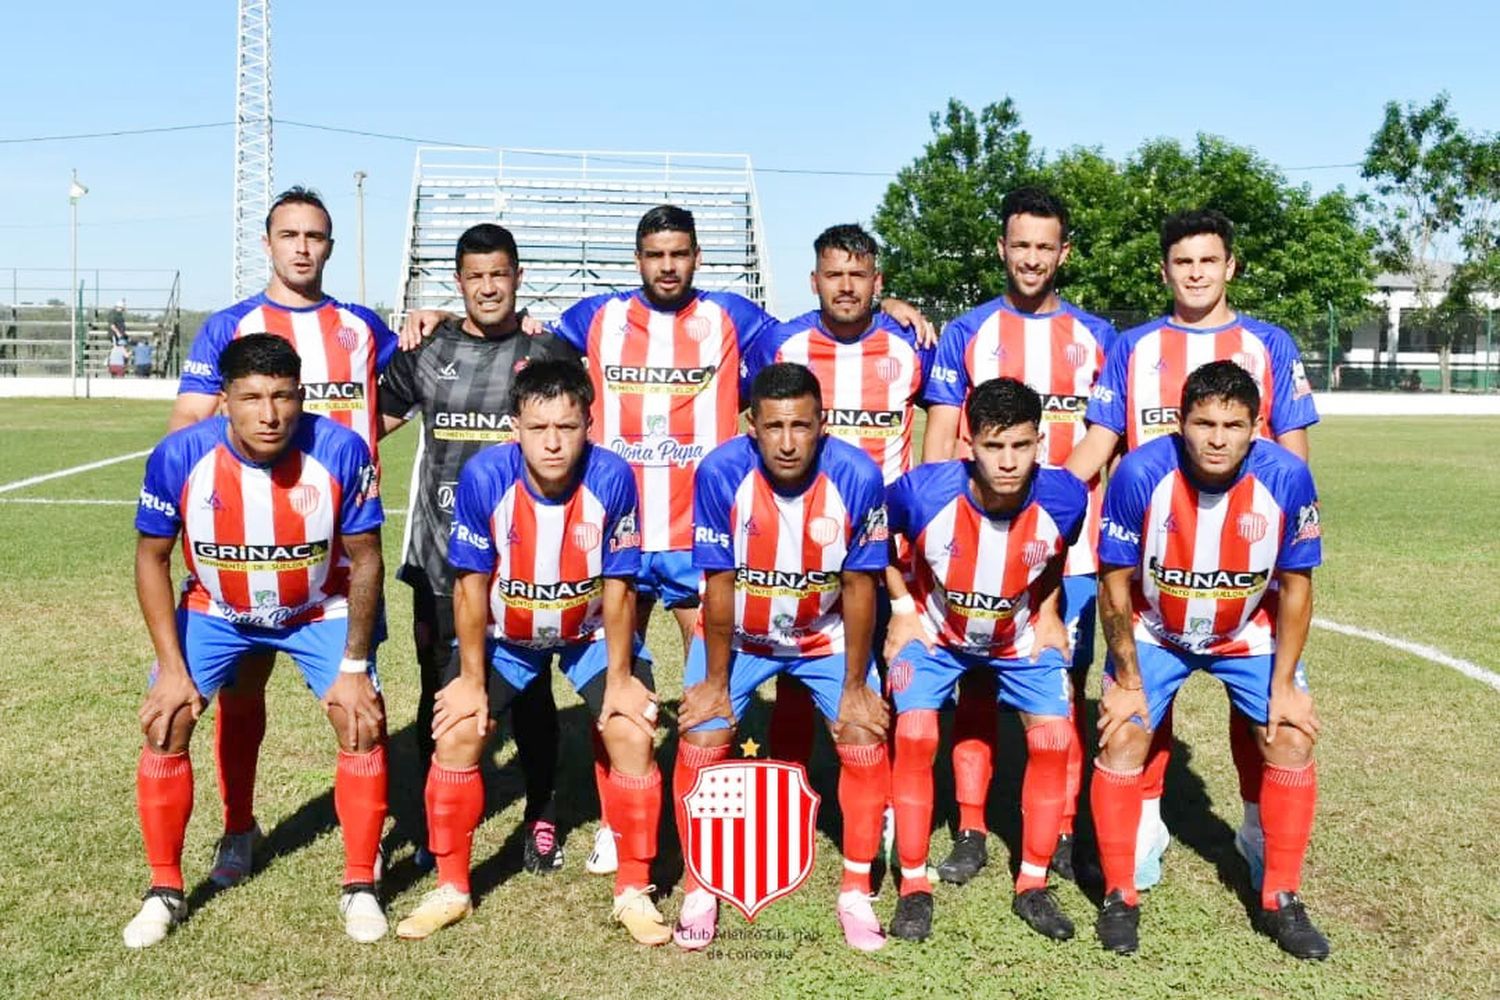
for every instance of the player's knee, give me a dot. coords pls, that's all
(1291, 749)
(1126, 748)
(178, 736)
(626, 740)
(707, 737)
(459, 746)
(917, 737)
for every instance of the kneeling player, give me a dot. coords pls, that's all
(281, 536)
(546, 547)
(988, 539)
(1206, 551)
(790, 531)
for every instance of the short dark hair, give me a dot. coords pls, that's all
(785, 380)
(1036, 201)
(1196, 222)
(848, 237)
(1221, 380)
(665, 219)
(549, 379)
(258, 354)
(1002, 403)
(299, 195)
(486, 238)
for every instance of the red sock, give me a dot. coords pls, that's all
(690, 760)
(792, 719)
(864, 789)
(1289, 797)
(974, 747)
(1154, 775)
(601, 775)
(455, 804)
(1079, 718)
(1248, 762)
(164, 799)
(359, 801)
(1043, 791)
(1116, 799)
(911, 789)
(239, 727)
(635, 801)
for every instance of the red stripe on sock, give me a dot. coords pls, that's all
(359, 800)
(1288, 802)
(1116, 800)
(635, 802)
(911, 791)
(164, 800)
(1043, 791)
(864, 789)
(455, 804)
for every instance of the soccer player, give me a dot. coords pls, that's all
(1032, 335)
(872, 371)
(790, 532)
(988, 538)
(459, 380)
(1138, 398)
(1209, 538)
(545, 547)
(343, 347)
(280, 527)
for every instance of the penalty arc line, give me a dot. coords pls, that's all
(21, 484)
(1417, 649)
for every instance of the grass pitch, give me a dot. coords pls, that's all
(1402, 874)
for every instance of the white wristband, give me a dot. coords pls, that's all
(351, 666)
(904, 605)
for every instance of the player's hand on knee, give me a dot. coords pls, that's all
(170, 694)
(1121, 706)
(1292, 707)
(633, 701)
(903, 629)
(704, 702)
(1050, 633)
(862, 709)
(363, 714)
(459, 701)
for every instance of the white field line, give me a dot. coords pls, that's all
(21, 484)
(84, 502)
(1417, 649)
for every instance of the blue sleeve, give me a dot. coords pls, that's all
(360, 480)
(1292, 404)
(751, 323)
(868, 549)
(900, 504)
(166, 471)
(572, 327)
(948, 384)
(1302, 528)
(1107, 401)
(926, 357)
(761, 352)
(713, 537)
(200, 370)
(470, 547)
(1066, 500)
(1125, 501)
(386, 342)
(622, 555)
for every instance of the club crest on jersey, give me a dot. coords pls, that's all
(823, 530)
(750, 836)
(1251, 527)
(303, 498)
(697, 328)
(1036, 553)
(1076, 354)
(586, 537)
(1248, 361)
(888, 370)
(348, 337)
(899, 675)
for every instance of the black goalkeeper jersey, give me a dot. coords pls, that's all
(460, 384)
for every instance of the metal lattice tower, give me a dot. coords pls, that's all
(252, 146)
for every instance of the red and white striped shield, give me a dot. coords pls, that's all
(1251, 527)
(1036, 552)
(303, 498)
(348, 337)
(586, 536)
(1076, 353)
(750, 831)
(888, 369)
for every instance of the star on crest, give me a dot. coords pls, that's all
(750, 748)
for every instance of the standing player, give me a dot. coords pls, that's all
(872, 371)
(343, 347)
(280, 530)
(546, 548)
(1138, 398)
(1209, 540)
(459, 380)
(790, 532)
(988, 539)
(1032, 335)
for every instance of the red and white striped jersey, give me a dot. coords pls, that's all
(1058, 354)
(546, 559)
(870, 385)
(343, 348)
(975, 576)
(262, 543)
(666, 392)
(1205, 562)
(787, 552)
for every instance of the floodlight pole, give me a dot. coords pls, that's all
(359, 200)
(75, 191)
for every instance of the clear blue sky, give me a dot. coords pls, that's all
(825, 86)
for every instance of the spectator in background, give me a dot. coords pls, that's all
(117, 359)
(142, 353)
(117, 335)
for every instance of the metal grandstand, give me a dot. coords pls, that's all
(574, 215)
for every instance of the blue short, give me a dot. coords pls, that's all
(580, 662)
(213, 647)
(669, 577)
(1080, 598)
(920, 679)
(824, 676)
(1248, 678)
